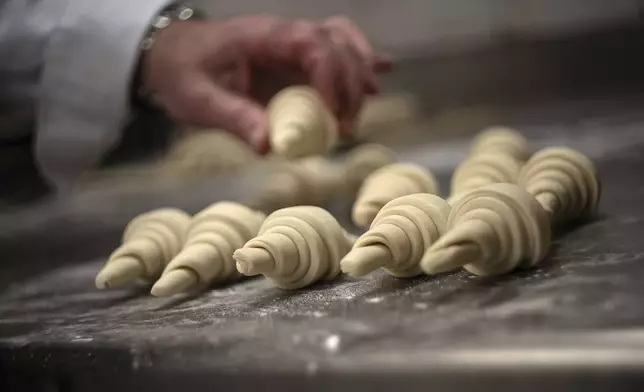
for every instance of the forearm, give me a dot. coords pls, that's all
(76, 74)
(25, 28)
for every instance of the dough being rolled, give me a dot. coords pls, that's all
(399, 235)
(300, 123)
(296, 247)
(388, 183)
(150, 241)
(207, 256)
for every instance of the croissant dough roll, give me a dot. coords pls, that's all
(564, 181)
(150, 241)
(501, 139)
(300, 123)
(362, 161)
(500, 227)
(207, 256)
(198, 153)
(491, 230)
(315, 180)
(296, 247)
(484, 169)
(308, 181)
(388, 183)
(399, 235)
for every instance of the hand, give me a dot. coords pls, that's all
(221, 74)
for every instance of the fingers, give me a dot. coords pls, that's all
(199, 101)
(354, 55)
(336, 58)
(355, 81)
(334, 66)
(353, 37)
(383, 64)
(357, 40)
(323, 76)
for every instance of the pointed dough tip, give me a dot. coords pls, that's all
(364, 260)
(119, 272)
(436, 261)
(364, 214)
(253, 261)
(174, 282)
(284, 141)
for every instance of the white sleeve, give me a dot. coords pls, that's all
(85, 86)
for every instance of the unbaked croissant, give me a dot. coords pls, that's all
(207, 256)
(501, 139)
(499, 227)
(300, 123)
(296, 247)
(399, 235)
(307, 181)
(388, 183)
(150, 241)
(315, 180)
(361, 162)
(483, 169)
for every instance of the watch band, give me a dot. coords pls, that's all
(170, 14)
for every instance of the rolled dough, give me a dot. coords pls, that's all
(150, 241)
(491, 230)
(296, 247)
(483, 169)
(501, 139)
(399, 235)
(388, 183)
(565, 182)
(362, 161)
(207, 256)
(499, 227)
(300, 123)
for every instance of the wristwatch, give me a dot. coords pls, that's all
(174, 12)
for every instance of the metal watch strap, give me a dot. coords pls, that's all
(170, 14)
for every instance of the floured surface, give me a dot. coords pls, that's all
(587, 295)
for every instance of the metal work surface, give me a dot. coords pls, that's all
(575, 320)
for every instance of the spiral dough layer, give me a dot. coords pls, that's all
(300, 123)
(484, 169)
(407, 226)
(388, 183)
(308, 181)
(214, 234)
(502, 140)
(506, 225)
(296, 247)
(362, 161)
(153, 238)
(564, 181)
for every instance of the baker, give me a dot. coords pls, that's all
(75, 75)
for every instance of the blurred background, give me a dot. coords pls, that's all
(412, 28)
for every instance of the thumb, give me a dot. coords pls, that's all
(210, 105)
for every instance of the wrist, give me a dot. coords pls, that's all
(169, 17)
